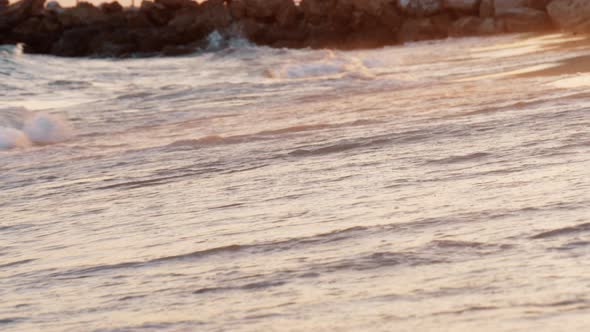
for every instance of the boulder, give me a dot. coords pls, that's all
(20, 12)
(135, 19)
(75, 42)
(288, 16)
(53, 7)
(157, 13)
(417, 29)
(284, 12)
(372, 7)
(265, 9)
(237, 9)
(374, 23)
(215, 15)
(570, 14)
(315, 11)
(475, 26)
(367, 14)
(83, 14)
(486, 8)
(351, 23)
(538, 4)
(464, 6)
(272, 35)
(191, 24)
(185, 21)
(176, 4)
(502, 6)
(111, 7)
(420, 8)
(3, 5)
(525, 20)
(326, 36)
(38, 33)
(176, 50)
(383, 10)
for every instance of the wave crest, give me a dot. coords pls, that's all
(331, 65)
(20, 128)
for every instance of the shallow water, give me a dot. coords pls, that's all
(437, 186)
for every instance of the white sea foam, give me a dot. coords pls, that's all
(330, 65)
(13, 138)
(215, 41)
(20, 128)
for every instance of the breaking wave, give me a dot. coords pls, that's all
(330, 65)
(20, 128)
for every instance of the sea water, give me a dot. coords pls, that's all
(438, 186)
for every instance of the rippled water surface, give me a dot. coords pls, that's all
(436, 186)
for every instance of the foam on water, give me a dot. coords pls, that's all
(579, 81)
(13, 138)
(329, 65)
(11, 50)
(306, 200)
(20, 128)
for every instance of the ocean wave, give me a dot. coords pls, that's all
(330, 65)
(20, 128)
(11, 50)
(575, 230)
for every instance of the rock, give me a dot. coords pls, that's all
(486, 8)
(54, 7)
(215, 15)
(417, 29)
(237, 9)
(538, 4)
(351, 23)
(326, 36)
(569, 14)
(192, 24)
(265, 9)
(75, 42)
(37, 33)
(383, 11)
(83, 14)
(374, 24)
(372, 7)
(442, 23)
(315, 11)
(136, 20)
(366, 14)
(288, 15)
(465, 6)
(284, 12)
(185, 21)
(525, 20)
(111, 7)
(176, 50)
(149, 40)
(156, 13)
(176, 4)
(420, 8)
(19, 12)
(272, 35)
(501, 6)
(475, 26)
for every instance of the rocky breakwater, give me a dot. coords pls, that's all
(181, 26)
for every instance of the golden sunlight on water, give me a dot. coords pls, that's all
(417, 188)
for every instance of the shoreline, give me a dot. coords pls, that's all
(176, 27)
